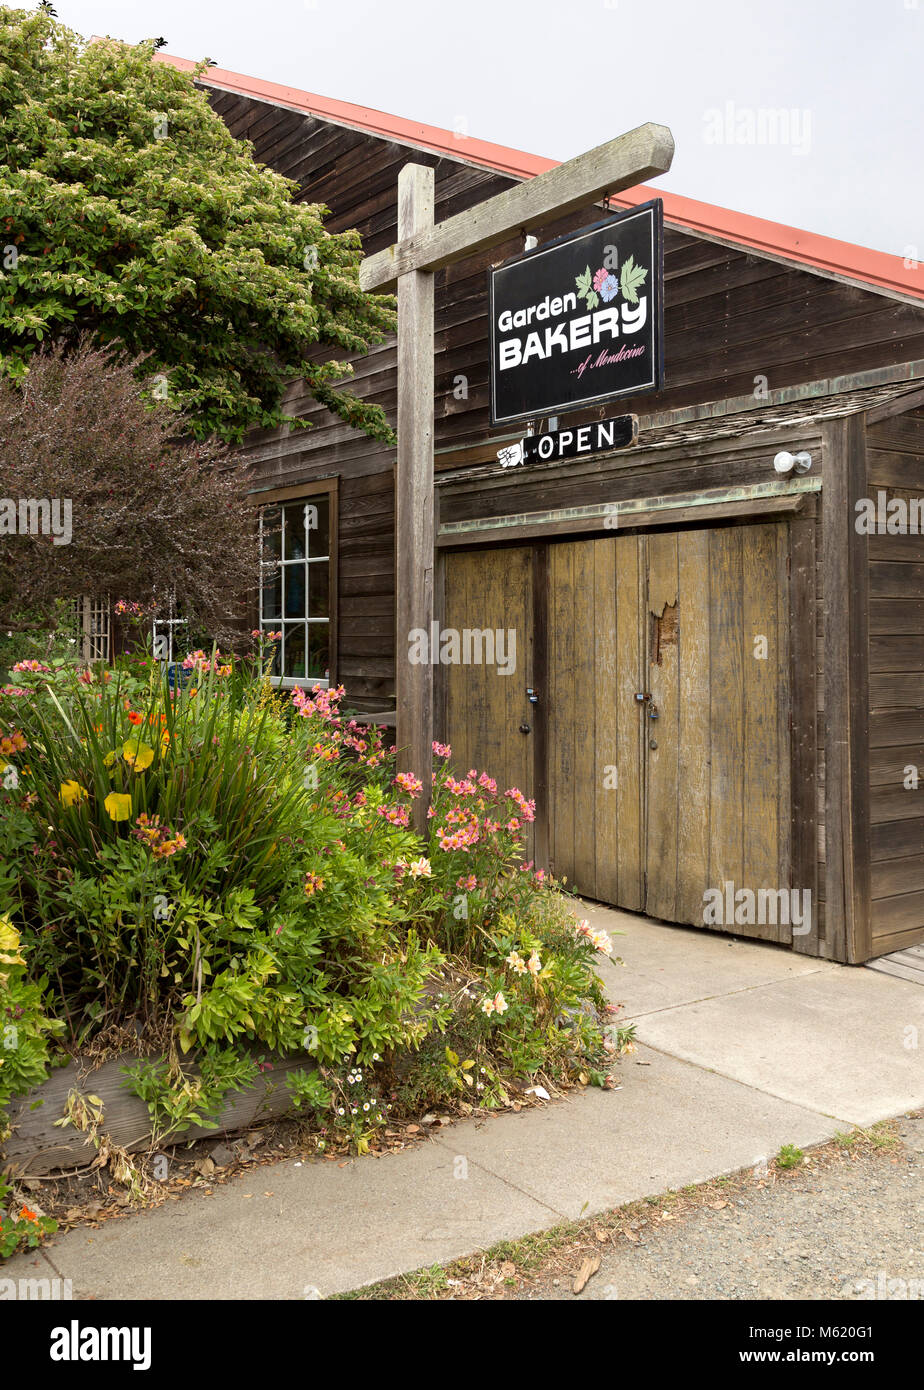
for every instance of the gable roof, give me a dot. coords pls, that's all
(826, 256)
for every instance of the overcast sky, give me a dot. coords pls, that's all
(840, 84)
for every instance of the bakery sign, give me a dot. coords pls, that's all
(579, 321)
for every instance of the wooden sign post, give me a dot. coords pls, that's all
(408, 266)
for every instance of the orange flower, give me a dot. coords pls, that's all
(27, 1215)
(134, 718)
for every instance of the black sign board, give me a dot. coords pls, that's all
(619, 432)
(579, 321)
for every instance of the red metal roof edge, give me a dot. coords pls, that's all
(825, 254)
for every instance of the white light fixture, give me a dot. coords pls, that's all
(792, 463)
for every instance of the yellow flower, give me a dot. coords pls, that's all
(119, 805)
(110, 758)
(9, 944)
(72, 793)
(139, 754)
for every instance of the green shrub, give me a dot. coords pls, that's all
(211, 869)
(25, 1027)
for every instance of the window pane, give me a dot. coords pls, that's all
(294, 590)
(272, 539)
(319, 525)
(295, 650)
(295, 531)
(272, 598)
(318, 652)
(318, 589)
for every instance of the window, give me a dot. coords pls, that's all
(297, 536)
(93, 624)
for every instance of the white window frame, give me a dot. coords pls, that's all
(306, 496)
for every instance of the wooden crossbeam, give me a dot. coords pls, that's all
(408, 266)
(628, 160)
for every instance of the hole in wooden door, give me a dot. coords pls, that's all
(663, 632)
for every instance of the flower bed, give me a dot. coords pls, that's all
(207, 873)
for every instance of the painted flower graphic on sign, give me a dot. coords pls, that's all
(603, 284)
(606, 285)
(586, 290)
(632, 276)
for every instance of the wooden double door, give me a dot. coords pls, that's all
(648, 711)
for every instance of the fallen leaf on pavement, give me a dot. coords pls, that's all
(587, 1271)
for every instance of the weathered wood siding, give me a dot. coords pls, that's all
(733, 322)
(895, 455)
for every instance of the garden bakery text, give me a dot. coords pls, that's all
(574, 336)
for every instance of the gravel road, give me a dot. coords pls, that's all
(813, 1234)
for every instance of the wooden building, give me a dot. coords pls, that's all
(720, 670)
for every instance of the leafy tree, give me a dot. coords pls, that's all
(151, 513)
(128, 210)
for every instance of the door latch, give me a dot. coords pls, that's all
(532, 695)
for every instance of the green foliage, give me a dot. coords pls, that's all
(209, 872)
(25, 1026)
(128, 210)
(789, 1156)
(22, 1231)
(178, 1098)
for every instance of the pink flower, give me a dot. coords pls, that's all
(442, 750)
(409, 783)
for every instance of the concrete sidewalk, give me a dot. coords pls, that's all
(744, 1048)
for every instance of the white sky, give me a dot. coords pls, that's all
(556, 77)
